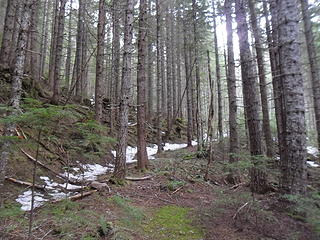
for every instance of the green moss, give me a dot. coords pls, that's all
(173, 222)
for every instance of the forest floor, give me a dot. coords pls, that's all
(175, 204)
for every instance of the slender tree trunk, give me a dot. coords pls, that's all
(120, 162)
(218, 74)
(150, 64)
(258, 176)
(59, 48)
(54, 34)
(77, 69)
(100, 60)
(143, 161)
(169, 73)
(314, 65)
(293, 139)
(196, 55)
(116, 17)
(173, 67)
(69, 48)
(34, 44)
(232, 88)
(262, 78)
(272, 40)
(178, 47)
(188, 83)
(44, 37)
(159, 87)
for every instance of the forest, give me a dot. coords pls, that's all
(160, 119)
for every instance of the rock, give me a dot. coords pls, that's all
(99, 186)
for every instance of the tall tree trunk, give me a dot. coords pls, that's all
(77, 69)
(44, 37)
(8, 31)
(58, 53)
(258, 176)
(188, 83)
(218, 74)
(196, 57)
(314, 65)
(100, 60)
(293, 139)
(54, 38)
(34, 43)
(69, 48)
(179, 50)
(150, 63)
(120, 162)
(274, 63)
(232, 87)
(262, 78)
(169, 73)
(116, 17)
(159, 87)
(173, 66)
(142, 155)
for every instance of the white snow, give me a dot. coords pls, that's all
(312, 164)
(313, 151)
(25, 200)
(173, 146)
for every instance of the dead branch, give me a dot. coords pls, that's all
(239, 209)
(40, 187)
(138, 179)
(237, 185)
(177, 190)
(47, 168)
(77, 196)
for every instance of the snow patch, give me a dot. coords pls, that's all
(312, 164)
(25, 200)
(313, 151)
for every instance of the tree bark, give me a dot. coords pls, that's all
(100, 60)
(120, 162)
(142, 155)
(218, 74)
(232, 88)
(69, 49)
(8, 31)
(159, 87)
(251, 101)
(262, 78)
(58, 53)
(293, 139)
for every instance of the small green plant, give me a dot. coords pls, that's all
(306, 208)
(174, 185)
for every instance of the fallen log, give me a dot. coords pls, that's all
(138, 179)
(76, 197)
(13, 180)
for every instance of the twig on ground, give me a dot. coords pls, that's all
(239, 209)
(138, 179)
(177, 190)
